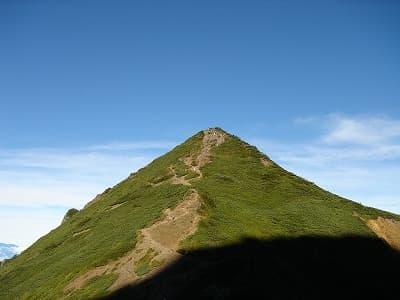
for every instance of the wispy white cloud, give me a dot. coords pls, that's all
(24, 225)
(37, 186)
(69, 177)
(356, 157)
(66, 159)
(117, 146)
(362, 130)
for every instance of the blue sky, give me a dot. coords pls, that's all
(92, 90)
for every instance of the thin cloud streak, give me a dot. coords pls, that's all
(69, 177)
(39, 185)
(132, 146)
(25, 226)
(357, 158)
(363, 130)
(72, 158)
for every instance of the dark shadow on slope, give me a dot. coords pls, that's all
(302, 268)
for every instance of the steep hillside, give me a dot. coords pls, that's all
(214, 191)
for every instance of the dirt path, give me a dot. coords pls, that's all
(212, 138)
(158, 242)
(176, 179)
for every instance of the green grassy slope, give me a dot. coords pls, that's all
(43, 270)
(241, 198)
(244, 198)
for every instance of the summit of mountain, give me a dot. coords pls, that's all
(209, 203)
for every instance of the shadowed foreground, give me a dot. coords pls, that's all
(302, 268)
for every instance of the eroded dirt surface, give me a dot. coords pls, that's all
(212, 138)
(81, 232)
(160, 239)
(178, 180)
(386, 229)
(115, 206)
(266, 162)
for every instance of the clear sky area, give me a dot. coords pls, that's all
(93, 90)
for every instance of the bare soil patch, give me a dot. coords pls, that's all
(386, 229)
(112, 207)
(81, 232)
(212, 138)
(266, 162)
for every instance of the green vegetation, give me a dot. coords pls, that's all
(180, 168)
(95, 287)
(191, 175)
(240, 198)
(44, 269)
(162, 178)
(71, 212)
(144, 265)
(243, 198)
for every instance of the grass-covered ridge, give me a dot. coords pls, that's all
(96, 234)
(245, 198)
(241, 198)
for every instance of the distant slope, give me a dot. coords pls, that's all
(7, 251)
(216, 188)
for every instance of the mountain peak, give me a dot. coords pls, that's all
(211, 192)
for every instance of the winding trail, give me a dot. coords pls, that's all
(212, 138)
(160, 241)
